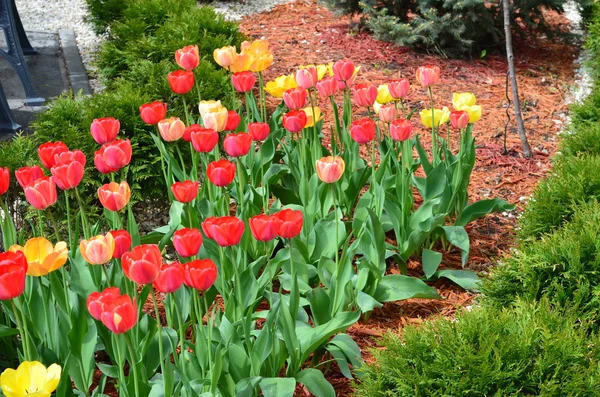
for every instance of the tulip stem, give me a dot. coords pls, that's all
(132, 362)
(108, 283)
(373, 176)
(337, 241)
(262, 98)
(84, 222)
(54, 226)
(248, 112)
(239, 186)
(209, 331)
(197, 88)
(181, 159)
(121, 362)
(40, 224)
(315, 137)
(434, 143)
(187, 113)
(181, 334)
(337, 127)
(160, 343)
(68, 209)
(24, 340)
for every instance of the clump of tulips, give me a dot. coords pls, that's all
(275, 243)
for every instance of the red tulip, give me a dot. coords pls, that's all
(113, 156)
(4, 180)
(68, 169)
(188, 57)
(28, 175)
(170, 277)
(459, 119)
(225, 230)
(343, 70)
(187, 242)
(181, 81)
(171, 129)
(13, 268)
(122, 242)
(399, 88)
(243, 81)
(237, 145)
(41, 193)
(294, 121)
(363, 130)
(47, 150)
(200, 274)
(264, 227)
(400, 129)
(291, 223)
(142, 263)
(364, 94)
(187, 132)
(185, 192)
(233, 120)
(428, 75)
(97, 300)
(328, 87)
(105, 129)
(114, 196)
(120, 314)
(307, 77)
(295, 98)
(221, 173)
(204, 140)
(153, 112)
(259, 131)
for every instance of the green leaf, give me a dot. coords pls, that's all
(278, 387)
(315, 382)
(395, 287)
(435, 183)
(464, 278)
(481, 208)
(7, 331)
(112, 371)
(366, 302)
(458, 237)
(431, 260)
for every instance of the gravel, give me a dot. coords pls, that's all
(236, 10)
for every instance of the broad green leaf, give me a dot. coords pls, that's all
(396, 287)
(458, 237)
(431, 260)
(481, 208)
(464, 278)
(278, 387)
(315, 382)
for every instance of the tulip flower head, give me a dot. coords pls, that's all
(27, 175)
(310, 119)
(225, 230)
(41, 193)
(280, 85)
(170, 278)
(113, 156)
(233, 120)
(204, 140)
(264, 227)
(307, 78)
(215, 118)
(237, 145)
(188, 57)
(399, 88)
(152, 113)
(42, 257)
(98, 250)
(31, 378)
(330, 169)
(328, 87)
(96, 301)
(142, 263)
(221, 172)
(5, 180)
(428, 75)
(47, 150)
(186, 191)
(187, 242)
(243, 81)
(171, 129)
(120, 314)
(122, 242)
(295, 98)
(114, 196)
(294, 121)
(181, 81)
(291, 223)
(462, 99)
(343, 71)
(105, 129)
(13, 268)
(383, 94)
(68, 169)
(400, 129)
(259, 131)
(364, 94)
(363, 130)
(387, 113)
(200, 274)
(459, 119)
(225, 56)
(439, 117)
(259, 55)
(207, 106)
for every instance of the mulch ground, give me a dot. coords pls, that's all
(304, 33)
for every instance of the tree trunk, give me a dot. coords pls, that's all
(513, 80)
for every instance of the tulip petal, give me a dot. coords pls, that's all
(9, 382)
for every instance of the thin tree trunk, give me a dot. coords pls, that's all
(513, 80)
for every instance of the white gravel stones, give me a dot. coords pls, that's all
(236, 10)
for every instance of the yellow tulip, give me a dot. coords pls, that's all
(441, 116)
(280, 85)
(261, 62)
(42, 257)
(205, 106)
(310, 120)
(98, 250)
(31, 378)
(255, 56)
(241, 63)
(462, 99)
(225, 56)
(383, 94)
(474, 112)
(215, 118)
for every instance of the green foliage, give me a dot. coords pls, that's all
(102, 12)
(563, 266)
(529, 350)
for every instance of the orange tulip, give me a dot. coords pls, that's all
(98, 250)
(330, 169)
(428, 75)
(114, 196)
(42, 256)
(225, 56)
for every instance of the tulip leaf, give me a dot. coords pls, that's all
(427, 167)
(464, 278)
(278, 387)
(7, 331)
(245, 387)
(366, 302)
(430, 260)
(315, 382)
(458, 237)
(396, 287)
(481, 208)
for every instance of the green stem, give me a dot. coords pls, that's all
(40, 224)
(54, 226)
(336, 115)
(248, 112)
(24, 340)
(66, 291)
(434, 143)
(188, 120)
(209, 331)
(181, 334)
(121, 360)
(68, 209)
(373, 175)
(240, 186)
(336, 225)
(84, 221)
(181, 160)
(136, 378)
(262, 98)
(197, 87)
(160, 343)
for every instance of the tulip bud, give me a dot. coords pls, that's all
(68, 173)
(295, 98)
(233, 120)
(307, 78)
(142, 263)
(171, 129)
(343, 70)
(237, 145)
(204, 140)
(27, 175)
(187, 242)
(188, 57)
(114, 196)
(96, 301)
(364, 94)
(363, 130)
(47, 150)
(41, 193)
(98, 250)
(216, 119)
(207, 106)
(400, 129)
(327, 87)
(224, 56)
(13, 268)
(387, 113)
(42, 257)
(259, 131)
(185, 192)
(428, 75)
(264, 227)
(120, 314)
(113, 156)
(105, 129)
(330, 169)
(383, 94)
(399, 88)
(291, 223)
(294, 121)
(459, 119)
(200, 274)
(152, 113)
(225, 230)
(243, 81)
(221, 173)
(170, 278)
(122, 242)
(181, 81)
